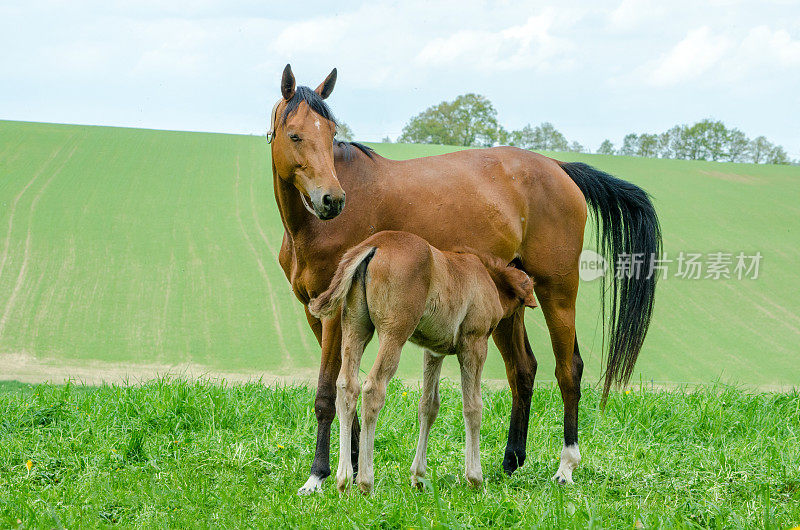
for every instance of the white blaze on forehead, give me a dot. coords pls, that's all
(316, 123)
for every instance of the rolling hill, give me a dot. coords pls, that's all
(127, 247)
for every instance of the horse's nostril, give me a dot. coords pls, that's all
(327, 200)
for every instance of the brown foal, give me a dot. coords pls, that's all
(514, 205)
(399, 286)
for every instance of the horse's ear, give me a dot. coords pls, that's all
(326, 87)
(287, 83)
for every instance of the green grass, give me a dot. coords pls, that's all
(182, 454)
(141, 246)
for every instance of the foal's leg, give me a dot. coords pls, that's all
(512, 341)
(426, 414)
(357, 331)
(558, 305)
(472, 358)
(373, 397)
(324, 403)
(355, 337)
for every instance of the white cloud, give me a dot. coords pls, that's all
(760, 54)
(630, 14)
(695, 55)
(528, 45)
(766, 47)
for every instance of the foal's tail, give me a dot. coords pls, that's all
(629, 238)
(327, 304)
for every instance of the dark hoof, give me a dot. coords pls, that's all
(513, 460)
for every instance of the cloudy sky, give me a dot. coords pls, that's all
(596, 69)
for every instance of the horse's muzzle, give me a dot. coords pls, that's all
(329, 206)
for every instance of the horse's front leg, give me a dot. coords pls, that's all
(330, 336)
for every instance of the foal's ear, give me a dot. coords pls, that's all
(523, 287)
(287, 83)
(530, 298)
(326, 87)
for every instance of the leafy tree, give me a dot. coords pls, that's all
(777, 155)
(547, 138)
(647, 145)
(606, 148)
(679, 145)
(738, 146)
(576, 147)
(760, 149)
(469, 120)
(630, 145)
(664, 148)
(344, 132)
(523, 138)
(544, 137)
(708, 138)
(386, 140)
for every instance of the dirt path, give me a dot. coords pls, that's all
(29, 369)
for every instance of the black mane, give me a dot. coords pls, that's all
(348, 149)
(318, 105)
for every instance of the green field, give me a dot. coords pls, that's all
(121, 247)
(188, 454)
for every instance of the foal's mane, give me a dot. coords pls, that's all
(318, 105)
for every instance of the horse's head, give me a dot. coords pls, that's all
(302, 133)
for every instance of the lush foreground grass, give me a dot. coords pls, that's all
(186, 454)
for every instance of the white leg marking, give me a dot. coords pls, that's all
(570, 458)
(312, 485)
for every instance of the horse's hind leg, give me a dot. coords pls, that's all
(427, 412)
(472, 358)
(558, 305)
(512, 341)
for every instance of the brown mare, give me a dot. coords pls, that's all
(396, 285)
(518, 206)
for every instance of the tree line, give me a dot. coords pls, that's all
(471, 120)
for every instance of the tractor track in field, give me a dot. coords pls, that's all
(28, 238)
(264, 274)
(299, 319)
(15, 202)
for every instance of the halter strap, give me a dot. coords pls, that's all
(272, 119)
(270, 137)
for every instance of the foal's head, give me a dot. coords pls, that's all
(514, 287)
(302, 131)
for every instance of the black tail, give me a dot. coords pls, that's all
(628, 230)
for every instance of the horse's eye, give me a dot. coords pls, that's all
(294, 138)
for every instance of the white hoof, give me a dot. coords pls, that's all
(312, 485)
(570, 458)
(563, 477)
